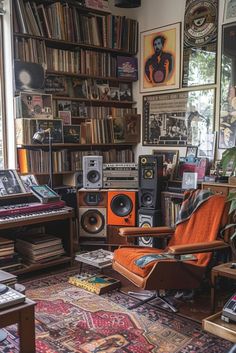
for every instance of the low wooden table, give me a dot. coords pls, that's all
(222, 270)
(23, 315)
(218, 327)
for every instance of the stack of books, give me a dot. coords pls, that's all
(99, 258)
(97, 284)
(39, 248)
(9, 260)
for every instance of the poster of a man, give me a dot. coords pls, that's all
(160, 58)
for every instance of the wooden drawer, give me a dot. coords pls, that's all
(218, 327)
(217, 189)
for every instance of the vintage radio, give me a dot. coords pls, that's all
(120, 175)
(121, 208)
(193, 165)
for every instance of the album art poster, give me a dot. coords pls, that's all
(10, 183)
(160, 58)
(200, 42)
(178, 119)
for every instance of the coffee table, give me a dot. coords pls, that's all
(23, 315)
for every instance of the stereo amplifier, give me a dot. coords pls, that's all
(120, 175)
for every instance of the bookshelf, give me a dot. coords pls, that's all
(82, 51)
(171, 203)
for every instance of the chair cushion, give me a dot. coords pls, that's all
(127, 256)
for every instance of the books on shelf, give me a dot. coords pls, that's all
(99, 258)
(98, 284)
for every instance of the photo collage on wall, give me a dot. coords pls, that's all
(184, 118)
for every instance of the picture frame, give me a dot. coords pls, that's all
(65, 116)
(189, 181)
(10, 183)
(170, 161)
(191, 151)
(178, 119)
(227, 128)
(207, 147)
(229, 11)
(29, 180)
(160, 45)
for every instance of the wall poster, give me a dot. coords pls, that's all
(178, 119)
(160, 58)
(227, 137)
(200, 42)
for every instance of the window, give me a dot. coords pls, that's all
(2, 105)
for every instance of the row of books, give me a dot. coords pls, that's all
(81, 110)
(39, 248)
(37, 161)
(92, 131)
(82, 61)
(172, 207)
(65, 22)
(88, 89)
(9, 259)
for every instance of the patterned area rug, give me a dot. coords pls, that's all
(69, 320)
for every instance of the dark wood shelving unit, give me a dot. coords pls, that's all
(95, 101)
(63, 44)
(78, 146)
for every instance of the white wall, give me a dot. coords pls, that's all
(158, 13)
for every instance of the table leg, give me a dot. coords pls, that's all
(213, 292)
(26, 329)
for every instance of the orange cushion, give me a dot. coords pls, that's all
(127, 256)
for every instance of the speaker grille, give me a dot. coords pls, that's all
(121, 205)
(92, 221)
(147, 199)
(145, 241)
(93, 176)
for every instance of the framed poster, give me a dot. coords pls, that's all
(160, 58)
(200, 42)
(10, 183)
(229, 11)
(178, 119)
(170, 160)
(227, 131)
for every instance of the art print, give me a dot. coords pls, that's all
(178, 119)
(160, 58)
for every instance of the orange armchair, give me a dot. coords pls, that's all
(197, 235)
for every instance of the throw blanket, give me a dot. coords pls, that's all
(194, 199)
(146, 259)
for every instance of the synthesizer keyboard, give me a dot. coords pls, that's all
(11, 210)
(33, 215)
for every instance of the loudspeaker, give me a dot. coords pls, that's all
(147, 219)
(92, 222)
(28, 76)
(150, 181)
(68, 194)
(127, 3)
(92, 198)
(121, 208)
(92, 172)
(75, 179)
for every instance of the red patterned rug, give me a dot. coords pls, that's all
(69, 320)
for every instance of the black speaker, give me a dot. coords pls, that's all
(147, 219)
(68, 194)
(28, 76)
(127, 3)
(150, 181)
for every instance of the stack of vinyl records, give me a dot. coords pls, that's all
(39, 248)
(9, 260)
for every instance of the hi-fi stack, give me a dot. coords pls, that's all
(149, 194)
(107, 200)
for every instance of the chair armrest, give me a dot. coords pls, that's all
(160, 232)
(197, 247)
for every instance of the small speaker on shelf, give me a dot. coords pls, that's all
(91, 198)
(121, 207)
(75, 179)
(28, 76)
(92, 172)
(92, 222)
(146, 219)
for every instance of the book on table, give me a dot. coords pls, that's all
(99, 258)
